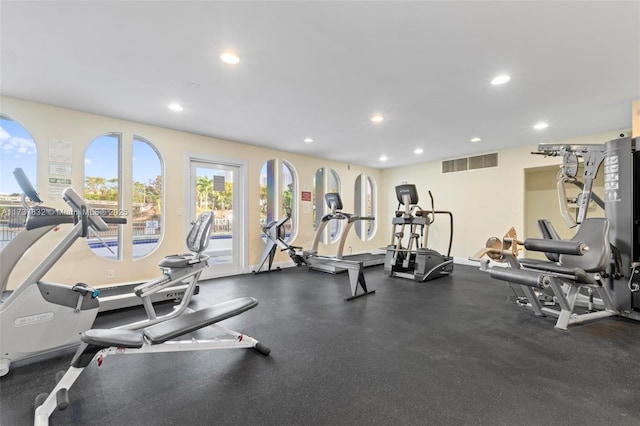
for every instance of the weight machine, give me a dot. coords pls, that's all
(598, 270)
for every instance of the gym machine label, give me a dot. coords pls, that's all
(611, 178)
(32, 319)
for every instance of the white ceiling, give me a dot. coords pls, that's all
(321, 69)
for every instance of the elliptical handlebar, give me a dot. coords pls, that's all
(27, 188)
(433, 209)
(47, 216)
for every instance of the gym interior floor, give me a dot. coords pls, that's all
(454, 351)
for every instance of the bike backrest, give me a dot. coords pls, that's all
(198, 237)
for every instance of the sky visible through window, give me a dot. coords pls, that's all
(101, 160)
(17, 149)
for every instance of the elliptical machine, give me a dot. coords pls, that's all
(408, 256)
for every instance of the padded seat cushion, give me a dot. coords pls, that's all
(192, 321)
(107, 338)
(178, 261)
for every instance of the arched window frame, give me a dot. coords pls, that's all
(292, 224)
(365, 203)
(102, 243)
(18, 150)
(115, 236)
(272, 198)
(149, 228)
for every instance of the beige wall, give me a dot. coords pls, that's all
(484, 202)
(46, 123)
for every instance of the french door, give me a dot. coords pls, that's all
(218, 187)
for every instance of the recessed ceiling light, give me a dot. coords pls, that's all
(476, 139)
(501, 79)
(418, 151)
(377, 118)
(383, 158)
(230, 57)
(175, 107)
(541, 125)
(308, 140)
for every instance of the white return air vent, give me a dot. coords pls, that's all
(470, 163)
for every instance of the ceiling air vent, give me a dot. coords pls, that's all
(457, 165)
(470, 163)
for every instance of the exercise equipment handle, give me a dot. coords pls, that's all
(433, 209)
(114, 220)
(75, 201)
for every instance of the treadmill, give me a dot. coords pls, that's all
(334, 201)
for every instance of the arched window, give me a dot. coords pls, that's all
(267, 193)
(276, 204)
(289, 197)
(18, 150)
(147, 202)
(365, 205)
(102, 191)
(326, 180)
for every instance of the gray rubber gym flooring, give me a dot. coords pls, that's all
(455, 351)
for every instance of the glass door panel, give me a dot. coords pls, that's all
(215, 187)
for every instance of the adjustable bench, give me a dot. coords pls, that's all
(98, 343)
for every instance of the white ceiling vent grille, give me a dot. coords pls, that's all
(470, 163)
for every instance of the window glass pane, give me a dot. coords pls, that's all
(336, 225)
(204, 188)
(318, 197)
(267, 194)
(146, 215)
(102, 191)
(222, 202)
(326, 181)
(358, 207)
(17, 149)
(364, 206)
(370, 207)
(289, 194)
